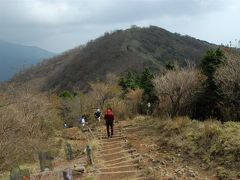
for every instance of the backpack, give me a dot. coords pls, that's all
(97, 114)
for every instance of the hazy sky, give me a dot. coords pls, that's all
(58, 25)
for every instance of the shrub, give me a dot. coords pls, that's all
(120, 108)
(66, 94)
(134, 98)
(27, 124)
(211, 129)
(227, 79)
(177, 89)
(101, 92)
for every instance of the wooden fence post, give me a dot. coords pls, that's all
(67, 175)
(45, 161)
(15, 174)
(25, 174)
(90, 154)
(18, 174)
(68, 151)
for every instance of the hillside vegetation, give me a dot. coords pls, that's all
(120, 51)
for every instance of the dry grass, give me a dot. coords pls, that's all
(215, 144)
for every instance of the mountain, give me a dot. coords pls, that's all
(14, 57)
(120, 51)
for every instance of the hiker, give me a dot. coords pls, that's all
(82, 120)
(97, 115)
(65, 125)
(109, 117)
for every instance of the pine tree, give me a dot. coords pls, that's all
(170, 66)
(207, 103)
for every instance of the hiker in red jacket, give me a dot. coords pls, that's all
(109, 117)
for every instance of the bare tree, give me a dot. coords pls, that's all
(178, 88)
(25, 125)
(134, 97)
(102, 92)
(111, 79)
(227, 78)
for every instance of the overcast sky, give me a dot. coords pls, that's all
(58, 25)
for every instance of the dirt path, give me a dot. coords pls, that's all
(115, 158)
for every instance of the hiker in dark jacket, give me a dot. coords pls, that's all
(97, 115)
(109, 117)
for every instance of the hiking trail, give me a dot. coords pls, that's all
(115, 158)
(128, 155)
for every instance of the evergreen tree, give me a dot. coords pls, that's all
(66, 94)
(146, 83)
(207, 104)
(170, 66)
(211, 61)
(143, 81)
(130, 81)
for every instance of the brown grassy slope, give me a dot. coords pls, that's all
(117, 52)
(209, 147)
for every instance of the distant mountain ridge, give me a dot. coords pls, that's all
(118, 52)
(15, 57)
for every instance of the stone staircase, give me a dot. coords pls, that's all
(116, 159)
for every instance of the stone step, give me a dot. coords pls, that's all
(112, 141)
(109, 142)
(115, 155)
(110, 150)
(131, 167)
(105, 130)
(105, 133)
(120, 159)
(104, 137)
(123, 163)
(112, 145)
(118, 175)
(119, 152)
(139, 178)
(112, 138)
